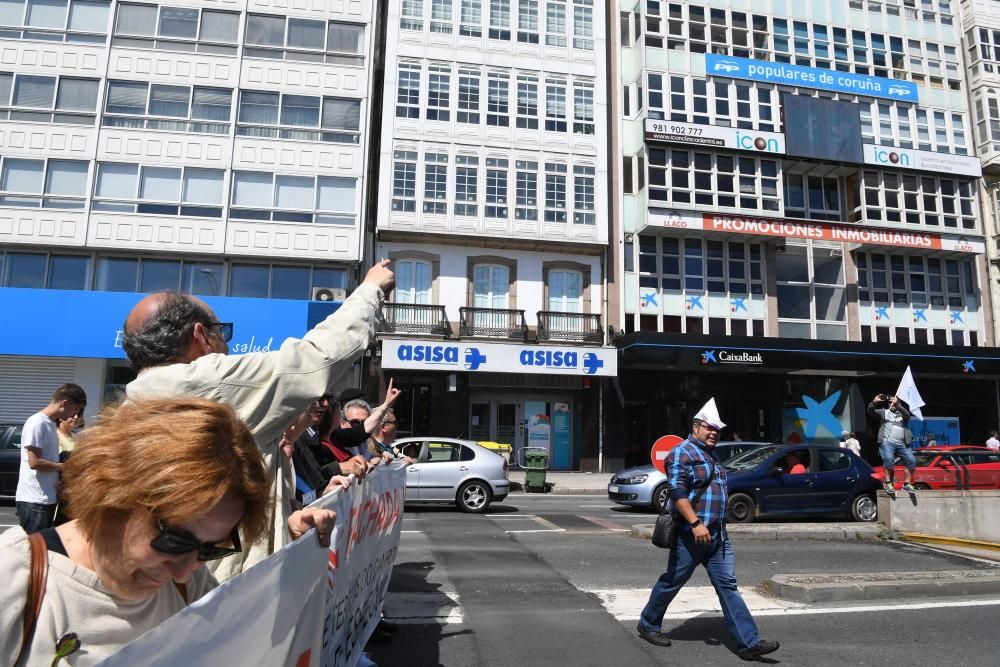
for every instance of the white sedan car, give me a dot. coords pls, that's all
(453, 471)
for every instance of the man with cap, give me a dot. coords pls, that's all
(703, 540)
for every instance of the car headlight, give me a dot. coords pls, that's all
(634, 479)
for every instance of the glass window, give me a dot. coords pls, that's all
(337, 194)
(159, 274)
(22, 176)
(117, 274)
(178, 22)
(160, 184)
(34, 92)
(249, 280)
(290, 282)
(203, 186)
(413, 282)
(25, 270)
(565, 291)
(252, 189)
(203, 278)
(68, 272)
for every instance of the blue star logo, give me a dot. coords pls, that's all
(818, 415)
(708, 357)
(968, 366)
(694, 301)
(956, 316)
(920, 315)
(474, 359)
(649, 299)
(591, 363)
(739, 304)
(881, 312)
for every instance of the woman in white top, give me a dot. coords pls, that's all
(156, 488)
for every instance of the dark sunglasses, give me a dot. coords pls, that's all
(389, 421)
(174, 542)
(356, 421)
(225, 329)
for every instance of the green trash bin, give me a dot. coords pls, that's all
(535, 461)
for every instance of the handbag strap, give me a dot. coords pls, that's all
(700, 492)
(37, 579)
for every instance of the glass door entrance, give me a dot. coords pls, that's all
(519, 423)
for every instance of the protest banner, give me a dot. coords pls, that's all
(302, 606)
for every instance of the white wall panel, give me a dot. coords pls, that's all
(155, 232)
(299, 241)
(45, 227)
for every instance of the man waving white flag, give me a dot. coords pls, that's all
(908, 392)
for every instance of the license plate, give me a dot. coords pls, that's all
(612, 489)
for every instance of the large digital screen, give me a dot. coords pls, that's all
(820, 129)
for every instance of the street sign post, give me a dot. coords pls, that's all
(662, 446)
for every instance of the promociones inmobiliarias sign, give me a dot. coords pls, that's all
(673, 132)
(810, 77)
(810, 229)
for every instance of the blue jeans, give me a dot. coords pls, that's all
(720, 563)
(889, 451)
(34, 517)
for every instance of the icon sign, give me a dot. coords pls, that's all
(662, 447)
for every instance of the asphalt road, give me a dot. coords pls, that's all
(557, 580)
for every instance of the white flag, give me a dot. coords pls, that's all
(908, 392)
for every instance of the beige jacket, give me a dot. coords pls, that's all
(269, 390)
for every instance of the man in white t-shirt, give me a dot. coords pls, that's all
(36, 497)
(993, 443)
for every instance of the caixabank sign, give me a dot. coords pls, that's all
(498, 358)
(731, 358)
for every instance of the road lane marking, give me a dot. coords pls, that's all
(511, 516)
(431, 608)
(693, 601)
(548, 524)
(538, 530)
(411, 531)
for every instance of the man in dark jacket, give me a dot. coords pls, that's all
(893, 439)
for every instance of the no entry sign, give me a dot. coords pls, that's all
(662, 446)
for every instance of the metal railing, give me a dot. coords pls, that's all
(493, 323)
(414, 318)
(577, 327)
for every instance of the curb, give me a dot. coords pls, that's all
(950, 541)
(765, 532)
(874, 586)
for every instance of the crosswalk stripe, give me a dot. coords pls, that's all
(437, 607)
(604, 523)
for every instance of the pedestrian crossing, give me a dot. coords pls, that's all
(557, 523)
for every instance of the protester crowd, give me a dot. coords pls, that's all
(211, 460)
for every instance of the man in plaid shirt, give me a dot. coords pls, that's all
(703, 541)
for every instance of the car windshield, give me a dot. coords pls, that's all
(924, 460)
(751, 459)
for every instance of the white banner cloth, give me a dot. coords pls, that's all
(302, 606)
(907, 391)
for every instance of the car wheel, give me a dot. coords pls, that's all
(863, 508)
(922, 486)
(741, 509)
(660, 497)
(474, 497)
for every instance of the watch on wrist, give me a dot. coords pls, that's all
(695, 523)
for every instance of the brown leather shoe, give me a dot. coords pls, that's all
(653, 636)
(763, 647)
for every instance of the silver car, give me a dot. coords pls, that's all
(645, 486)
(453, 471)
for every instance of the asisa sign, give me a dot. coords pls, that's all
(499, 358)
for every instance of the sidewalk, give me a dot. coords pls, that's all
(566, 483)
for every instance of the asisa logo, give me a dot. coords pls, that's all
(549, 358)
(429, 354)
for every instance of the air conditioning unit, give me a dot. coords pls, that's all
(329, 294)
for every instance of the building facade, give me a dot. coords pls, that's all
(493, 191)
(219, 148)
(799, 219)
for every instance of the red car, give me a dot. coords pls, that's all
(951, 468)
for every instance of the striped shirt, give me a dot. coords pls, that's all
(688, 466)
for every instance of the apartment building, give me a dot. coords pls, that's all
(799, 220)
(219, 148)
(493, 190)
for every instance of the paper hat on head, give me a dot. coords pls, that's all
(710, 415)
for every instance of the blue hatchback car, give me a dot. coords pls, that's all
(800, 481)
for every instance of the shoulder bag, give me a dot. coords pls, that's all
(668, 523)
